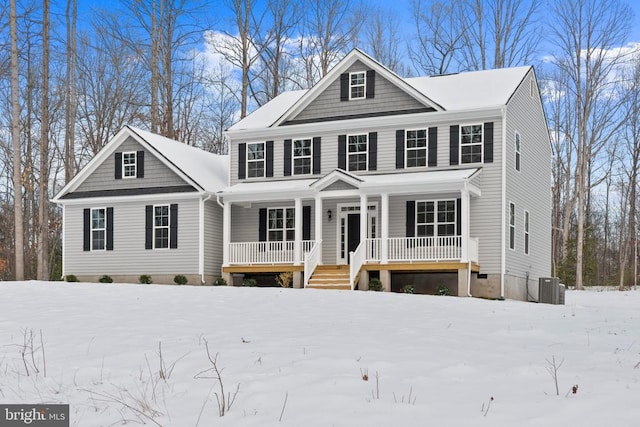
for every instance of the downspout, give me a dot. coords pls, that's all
(201, 243)
(466, 184)
(503, 154)
(64, 255)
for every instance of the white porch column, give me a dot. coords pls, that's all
(364, 219)
(318, 219)
(297, 247)
(464, 232)
(384, 246)
(226, 232)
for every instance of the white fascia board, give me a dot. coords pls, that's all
(132, 198)
(396, 122)
(267, 196)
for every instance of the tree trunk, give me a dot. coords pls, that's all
(70, 96)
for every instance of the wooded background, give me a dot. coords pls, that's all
(190, 69)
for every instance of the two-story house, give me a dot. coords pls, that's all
(453, 172)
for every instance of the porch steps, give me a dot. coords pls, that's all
(330, 277)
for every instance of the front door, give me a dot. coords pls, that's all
(349, 229)
(353, 233)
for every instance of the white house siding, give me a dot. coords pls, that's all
(156, 174)
(129, 256)
(212, 240)
(388, 97)
(529, 189)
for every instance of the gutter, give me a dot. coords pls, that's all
(201, 242)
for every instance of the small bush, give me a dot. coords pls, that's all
(375, 285)
(70, 278)
(408, 289)
(180, 279)
(105, 279)
(443, 290)
(145, 279)
(249, 282)
(284, 279)
(220, 282)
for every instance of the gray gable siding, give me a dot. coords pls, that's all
(388, 97)
(339, 185)
(156, 174)
(129, 256)
(529, 189)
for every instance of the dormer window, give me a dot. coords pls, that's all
(129, 164)
(357, 85)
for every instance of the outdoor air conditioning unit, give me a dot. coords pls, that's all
(550, 291)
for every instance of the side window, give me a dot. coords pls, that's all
(512, 225)
(518, 155)
(526, 232)
(98, 229)
(161, 226)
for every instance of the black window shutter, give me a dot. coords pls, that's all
(262, 225)
(400, 149)
(342, 152)
(148, 227)
(459, 217)
(140, 164)
(118, 158)
(86, 241)
(454, 141)
(242, 161)
(173, 226)
(344, 87)
(287, 157)
(371, 83)
(411, 218)
(269, 159)
(488, 142)
(373, 151)
(433, 147)
(316, 155)
(109, 229)
(306, 223)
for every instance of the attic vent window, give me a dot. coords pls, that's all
(357, 85)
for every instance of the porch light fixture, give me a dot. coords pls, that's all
(329, 214)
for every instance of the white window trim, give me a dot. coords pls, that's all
(294, 157)
(426, 148)
(135, 165)
(518, 151)
(481, 144)
(263, 160)
(366, 152)
(168, 227)
(284, 223)
(364, 86)
(435, 217)
(527, 233)
(104, 248)
(512, 227)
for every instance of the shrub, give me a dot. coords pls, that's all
(70, 278)
(220, 282)
(408, 289)
(443, 290)
(145, 279)
(249, 282)
(284, 279)
(180, 279)
(105, 279)
(375, 285)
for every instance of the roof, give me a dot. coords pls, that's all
(206, 171)
(451, 92)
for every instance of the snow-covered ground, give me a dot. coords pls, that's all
(299, 356)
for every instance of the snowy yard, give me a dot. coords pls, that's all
(299, 356)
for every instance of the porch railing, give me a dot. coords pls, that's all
(358, 258)
(311, 260)
(248, 253)
(407, 249)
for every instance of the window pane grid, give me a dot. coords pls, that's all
(161, 226)
(129, 164)
(357, 152)
(471, 144)
(281, 224)
(436, 218)
(98, 229)
(357, 85)
(416, 147)
(302, 156)
(255, 160)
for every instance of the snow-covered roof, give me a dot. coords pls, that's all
(474, 89)
(210, 171)
(270, 112)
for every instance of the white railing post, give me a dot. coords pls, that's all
(357, 259)
(297, 247)
(311, 261)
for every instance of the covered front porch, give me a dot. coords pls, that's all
(319, 224)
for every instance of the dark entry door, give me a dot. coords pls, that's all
(353, 233)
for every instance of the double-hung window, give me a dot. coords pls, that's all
(255, 160)
(526, 232)
(512, 225)
(471, 143)
(161, 223)
(98, 229)
(436, 218)
(302, 156)
(517, 151)
(281, 224)
(357, 85)
(416, 148)
(357, 152)
(129, 164)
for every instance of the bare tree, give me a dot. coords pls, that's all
(382, 39)
(43, 193)
(71, 102)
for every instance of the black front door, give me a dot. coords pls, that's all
(353, 233)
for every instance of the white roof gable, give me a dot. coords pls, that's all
(270, 112)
